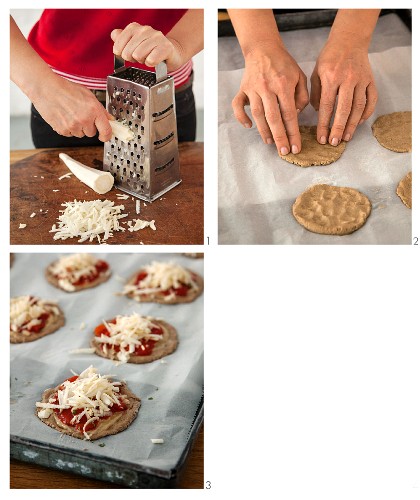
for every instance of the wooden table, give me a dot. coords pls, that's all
(24, 475)
(178, 215)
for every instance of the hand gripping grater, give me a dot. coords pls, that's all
(148, 165)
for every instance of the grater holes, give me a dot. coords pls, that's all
(130, 123)
(142, 129)
(141, 167)
(134, 93)
(136, 125)
(121, 110)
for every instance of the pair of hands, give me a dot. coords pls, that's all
(276, 89)
(72, 110)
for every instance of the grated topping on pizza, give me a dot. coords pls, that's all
(26, 310)
(92, 393)
(162, 276)
(71, 268)
(127, 333)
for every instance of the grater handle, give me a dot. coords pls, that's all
(161, 69)
(161, 72)
(118, 63)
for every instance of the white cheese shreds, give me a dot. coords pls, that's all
(157, 440)
(137, 207)
(83, 350)
(91, 392)
(70, 268)
(25, 311)
(121, 196)
(82, 325)
(32, 214)
(162, 276)
(140, 224)
(65, 176)
(127, 333)
(22, 226)
(55, 190)
(88, 220)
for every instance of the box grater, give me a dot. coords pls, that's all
(148, 165)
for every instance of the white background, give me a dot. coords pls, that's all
(312, 353)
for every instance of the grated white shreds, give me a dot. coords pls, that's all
(88, 220)
(140, 224)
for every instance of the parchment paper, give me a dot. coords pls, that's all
(257, 188)
(176, 386)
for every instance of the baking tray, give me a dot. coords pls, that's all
(171, 392)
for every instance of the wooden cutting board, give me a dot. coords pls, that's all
(178, 214)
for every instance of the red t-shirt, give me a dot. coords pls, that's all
(76, 43)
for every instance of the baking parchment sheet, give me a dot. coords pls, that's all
(257, 188)
(170, 392)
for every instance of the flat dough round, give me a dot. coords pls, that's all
(54, 322)
(404, 190)
(53, 280)
(313, 153)
(393, 131)
(117, 422)
(163, 347)
(160, 299)
(325, 209)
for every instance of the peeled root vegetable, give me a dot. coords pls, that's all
(99, 181)
(121, 131)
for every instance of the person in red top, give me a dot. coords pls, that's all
(63, 66)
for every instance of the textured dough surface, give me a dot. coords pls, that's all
(160, 299)
(117, 422)
(404, 190)
(393, 131)
(163, 347)
(53, 280)
(313, 153)
(328, 209)
(54, 322)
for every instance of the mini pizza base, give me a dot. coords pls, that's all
(162, 348)
(116, 423)
(312, 153)
(192, 294)
(194, 255)
(53, 280)
(393, 131)
(309, 210)
(53, 323)
(404, 190)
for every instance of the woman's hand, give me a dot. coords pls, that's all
(343, 73)
(72, 110)
(145, 45)
(275, 88)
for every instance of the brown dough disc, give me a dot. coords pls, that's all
(160, 299)
(404, 190)
(117, 422)
(194, 255)
(313, 153)
(54, 322)
(328, 209)
(163, 347)
(393, 131)
(53, 280)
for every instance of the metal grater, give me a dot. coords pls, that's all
(147, 166)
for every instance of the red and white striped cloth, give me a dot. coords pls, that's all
(180, 76)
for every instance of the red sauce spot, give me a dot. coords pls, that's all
(37, 328)
(140, 277)
(100, 267)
